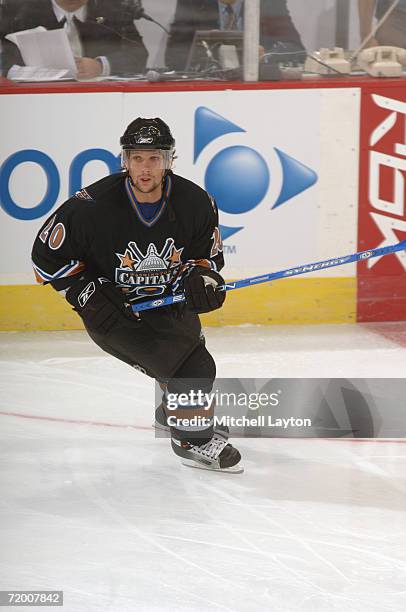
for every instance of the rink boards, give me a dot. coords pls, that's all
(282, 164)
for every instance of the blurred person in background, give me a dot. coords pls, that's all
(101, 33)
(277, 30)
(393, 30)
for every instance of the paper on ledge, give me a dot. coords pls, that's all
(45, 48)
(36, 74)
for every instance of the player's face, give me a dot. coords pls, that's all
(146, 169)
(71, 5)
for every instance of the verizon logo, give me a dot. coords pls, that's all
(389, 216)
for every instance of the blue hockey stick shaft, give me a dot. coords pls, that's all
(265, 278)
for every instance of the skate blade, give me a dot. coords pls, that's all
(236, 469)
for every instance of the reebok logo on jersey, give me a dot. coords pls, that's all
(86, 294)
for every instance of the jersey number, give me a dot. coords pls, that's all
(56, 237)
(217, 246)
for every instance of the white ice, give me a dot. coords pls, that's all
(92, 504)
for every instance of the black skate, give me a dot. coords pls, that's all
(216, 455)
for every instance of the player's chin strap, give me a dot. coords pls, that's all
(265, 278)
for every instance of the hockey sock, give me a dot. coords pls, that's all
(188, 402)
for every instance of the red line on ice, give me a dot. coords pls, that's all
(74, 421)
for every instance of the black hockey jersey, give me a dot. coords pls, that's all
(100, 231)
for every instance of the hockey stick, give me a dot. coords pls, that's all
(265, 278)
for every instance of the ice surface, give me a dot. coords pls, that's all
(92, 503)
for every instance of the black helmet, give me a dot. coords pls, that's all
(147, 134)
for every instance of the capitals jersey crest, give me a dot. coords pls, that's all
(150, 273)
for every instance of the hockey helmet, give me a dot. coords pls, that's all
(147, 134)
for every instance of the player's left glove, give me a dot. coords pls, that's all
(200, 287)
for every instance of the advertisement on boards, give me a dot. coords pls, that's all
(382, 204)
(262, 166)
(269, 158)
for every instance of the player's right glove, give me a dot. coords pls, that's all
(200, 287)
(100, 304)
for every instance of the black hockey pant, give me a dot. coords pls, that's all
(171, 350)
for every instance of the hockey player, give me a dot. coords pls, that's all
(131, 236)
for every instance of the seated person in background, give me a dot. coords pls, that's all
(392, 32)
(103, 37)
(276, 26)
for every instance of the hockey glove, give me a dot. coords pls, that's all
(200, 290)
(100, 304)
